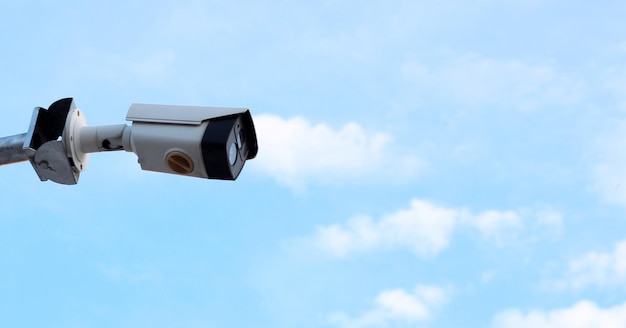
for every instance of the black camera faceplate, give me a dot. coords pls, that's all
(220, 135)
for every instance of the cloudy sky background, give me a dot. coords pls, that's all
(421, 164)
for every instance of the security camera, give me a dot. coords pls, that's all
(204, 142)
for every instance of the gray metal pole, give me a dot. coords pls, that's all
(12, 149)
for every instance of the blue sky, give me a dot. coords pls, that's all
(421, 164)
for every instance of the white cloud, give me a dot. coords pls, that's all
(396, 306)
(502, 227)
(602, 269)
(493, 224)
(296, 152)
(476, 80)
(426, 228)
(549, 219)
(583, 314)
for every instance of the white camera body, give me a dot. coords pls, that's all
(204, 142)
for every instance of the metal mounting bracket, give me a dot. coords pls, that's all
(45, 142)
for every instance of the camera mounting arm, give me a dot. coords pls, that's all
(11, 149)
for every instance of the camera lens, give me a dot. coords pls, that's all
(232, 153)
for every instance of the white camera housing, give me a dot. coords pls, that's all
(204, 142)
